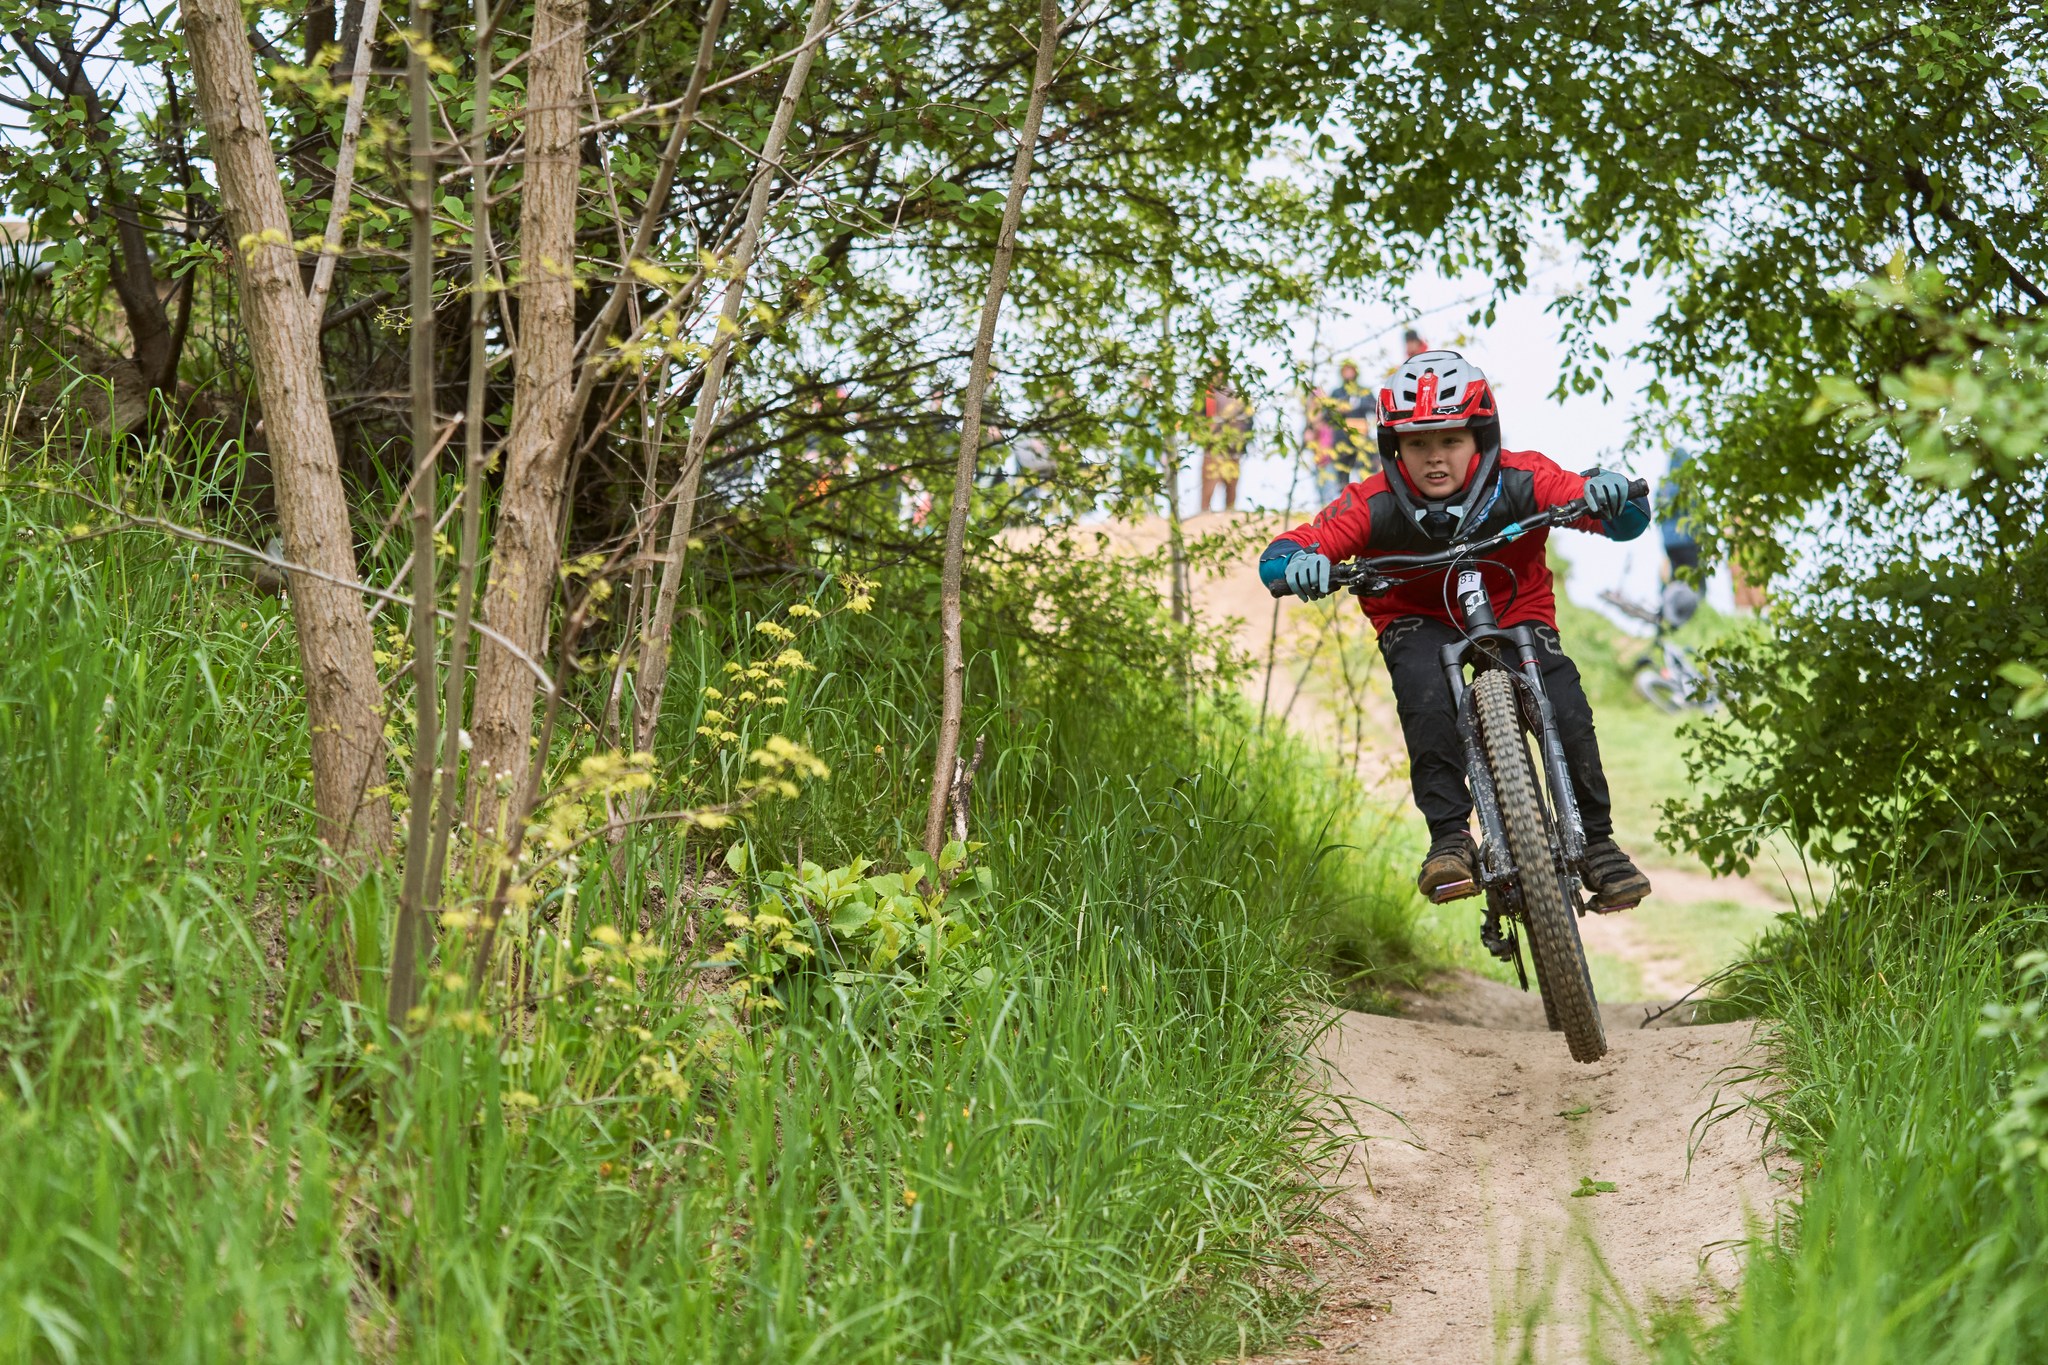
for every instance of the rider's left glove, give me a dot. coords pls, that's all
(1308, 575)
(1607, 494)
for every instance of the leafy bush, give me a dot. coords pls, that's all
(1902, 684)
(1876, 709)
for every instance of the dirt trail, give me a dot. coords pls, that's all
(1463, 1240)
(1474, 1247)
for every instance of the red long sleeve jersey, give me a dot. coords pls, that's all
(1366, 519)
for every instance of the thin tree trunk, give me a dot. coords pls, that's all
(157, 341)
(410, 934)
(457, 682)
(596, 337)
(953, 678)
(525, 548)
(345, 155)
(342, 692)
(652, 679)
(1176, 538)
(1273, 632)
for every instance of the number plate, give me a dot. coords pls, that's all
(1471, 592)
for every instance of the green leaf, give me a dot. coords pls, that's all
(1951, 469)
(736, 859)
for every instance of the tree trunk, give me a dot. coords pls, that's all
(456, 683)
(1170, 452)
(343, 698)
(525, 544)
(654, 644)
(953, 679)
(413, 906)
(157, 342)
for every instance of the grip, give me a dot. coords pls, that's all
(1638, 488)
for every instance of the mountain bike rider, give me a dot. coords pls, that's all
(1447, 481)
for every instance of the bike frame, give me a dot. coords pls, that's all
(1487, 643)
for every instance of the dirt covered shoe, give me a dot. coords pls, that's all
(1615, 881)
(1451, 870)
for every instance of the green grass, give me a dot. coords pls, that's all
(1080, 1135)
(1919, 1236)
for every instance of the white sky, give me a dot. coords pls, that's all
(1522, 353)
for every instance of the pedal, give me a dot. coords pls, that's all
(1454, 891)
(1600, 909)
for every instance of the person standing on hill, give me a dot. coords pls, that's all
(1319, 434)
(1447, 481)
(1224, 433)
(1353, 411)
(1681, 551)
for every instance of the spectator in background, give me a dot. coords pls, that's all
(1224, 434)
(1319, 434)
(1681, 551)
(1353, 411)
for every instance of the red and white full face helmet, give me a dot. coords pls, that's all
(1435, 391)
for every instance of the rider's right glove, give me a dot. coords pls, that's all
(1308, 575)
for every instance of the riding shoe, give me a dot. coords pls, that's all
(1615, 881)
(1451, 869)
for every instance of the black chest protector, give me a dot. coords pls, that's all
(1395, 529)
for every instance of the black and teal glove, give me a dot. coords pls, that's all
(1607, 494)
(1308, 575)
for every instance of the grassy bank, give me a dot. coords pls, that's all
(1064, 1123)
(1901, 1033)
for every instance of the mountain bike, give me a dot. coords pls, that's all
(1667, 675)
(1532, 842)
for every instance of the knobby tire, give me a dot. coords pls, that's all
(1553, 932)
(1548, 996)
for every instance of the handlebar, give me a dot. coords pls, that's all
(1368, 576)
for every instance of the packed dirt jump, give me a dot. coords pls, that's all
(1498, 1201)
(1512, 1204)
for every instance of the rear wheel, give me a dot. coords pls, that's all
(1553, 933)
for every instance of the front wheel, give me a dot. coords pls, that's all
(1553, 933)
(1661, 692)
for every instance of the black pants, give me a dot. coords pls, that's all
(1413, 649)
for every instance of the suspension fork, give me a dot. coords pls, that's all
(1496, 863)
(1571, 827)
